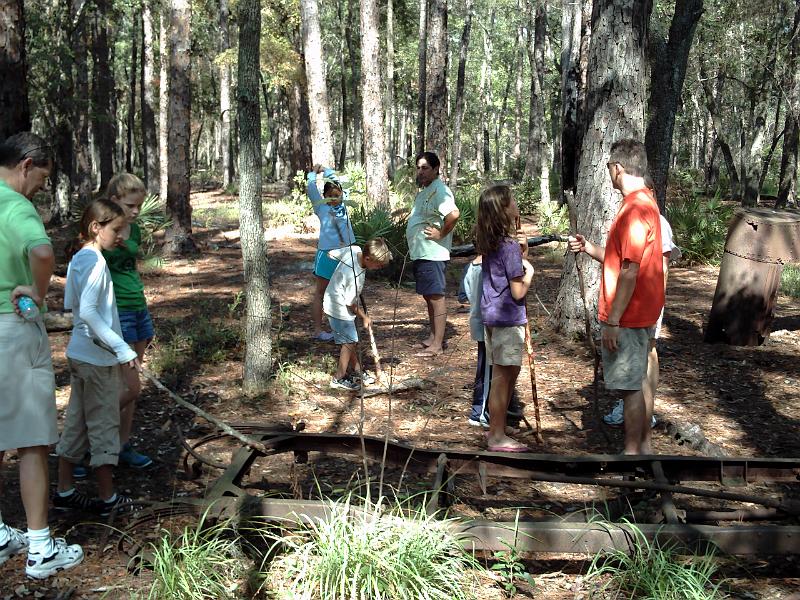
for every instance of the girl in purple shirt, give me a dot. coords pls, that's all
(505, 282)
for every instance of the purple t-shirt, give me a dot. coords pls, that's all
(498, 306)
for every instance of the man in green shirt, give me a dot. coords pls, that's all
(27, 396)
(430, 234)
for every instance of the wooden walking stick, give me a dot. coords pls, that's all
(373, 346)
(532, 366)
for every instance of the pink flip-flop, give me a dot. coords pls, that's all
(508, 449)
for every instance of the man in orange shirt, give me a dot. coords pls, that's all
(631, 287)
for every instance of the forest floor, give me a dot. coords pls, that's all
(745, 400)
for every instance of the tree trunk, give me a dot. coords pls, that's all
(615, 110)
(103, 123)
(225, 96)
(486, 93)
(422, 97)
(436, 82)
(716, 119)
(300, 128)
(390, 110)
(666, 85)
(788, 173)
(15, 116)
(129, 141)
(80, 118)
(179, 209)
(343, 81)
(517, 149)
(460, 96)
(571, 84)
(377, 171)
(355, 80)
(322, 141)
(163, 100)
(258, 344)
(148, 101)
(537, 161)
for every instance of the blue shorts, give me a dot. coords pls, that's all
(429, 275)
(137, 326)
(324, 265)
(344, 332)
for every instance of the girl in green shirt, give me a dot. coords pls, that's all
(128, 191)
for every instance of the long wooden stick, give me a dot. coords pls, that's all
(373, 346)
(247, 440)
(532, 368)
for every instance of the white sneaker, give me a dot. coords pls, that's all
(616, 418)
(16, 543)
(62, 557)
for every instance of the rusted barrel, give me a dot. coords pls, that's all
(760, 241)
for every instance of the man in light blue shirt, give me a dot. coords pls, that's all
(430, 234)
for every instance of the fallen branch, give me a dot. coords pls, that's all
(413, 383)
(247, 440)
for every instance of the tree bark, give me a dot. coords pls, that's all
(343, 81)
(322, 140)
(789, 157)
(129, 135)
(716, 119)
(258, 344)
(377, 170)
(422, 97)
(571, 84)
(355, 79)
(520, 52)
(460, 96)
(615, 110)
(486, 93)
(179, 209)
(80, 118)
(163, 99)
(148, 101)
(436, 82)
(537, 161)
(15, 116)
(389, 110)
(666, 84)
(103, 122)
(225, 96)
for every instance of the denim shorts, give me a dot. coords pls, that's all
(429, 275)
(344, 332)
(324, 265)
(137, 326)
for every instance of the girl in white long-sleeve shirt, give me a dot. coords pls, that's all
(96, 352)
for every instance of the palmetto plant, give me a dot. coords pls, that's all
(700, 227)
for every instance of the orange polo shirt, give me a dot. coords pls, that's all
(635, 236)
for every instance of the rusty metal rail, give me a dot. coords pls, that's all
(227, 497)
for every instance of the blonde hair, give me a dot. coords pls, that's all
(124, 183)
(494, 223)
(378, 250)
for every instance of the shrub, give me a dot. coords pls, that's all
(527, 194)
(467, 203)
(790, 281)
(198, 563)
(654, 572)
(700, 227)
(552, 218)
(377, 222)
(152, 219)
(379, 554)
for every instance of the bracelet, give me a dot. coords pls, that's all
(612, 324)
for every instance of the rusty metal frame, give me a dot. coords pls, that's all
(227, 499)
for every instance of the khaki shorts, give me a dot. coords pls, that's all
(625, 368)
(27, 385)
(92, 419)
(505, 345)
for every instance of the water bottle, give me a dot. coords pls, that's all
(27, 307)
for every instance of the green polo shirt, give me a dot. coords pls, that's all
(431, 206)
(21, 229)
(128, 286)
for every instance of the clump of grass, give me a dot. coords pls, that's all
(790, 281)
(654, 572)
(198, 563)
(379, 554)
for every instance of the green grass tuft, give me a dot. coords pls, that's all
(790, 281)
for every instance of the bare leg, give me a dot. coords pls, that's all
(437, 314)
(320, 283)
(105, 481)
(649, 387)
(34, 483)
(131, 389)
(66, 480)
(346, 357)
(503, 379)
(635, 422)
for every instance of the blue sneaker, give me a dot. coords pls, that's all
(129, 457)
